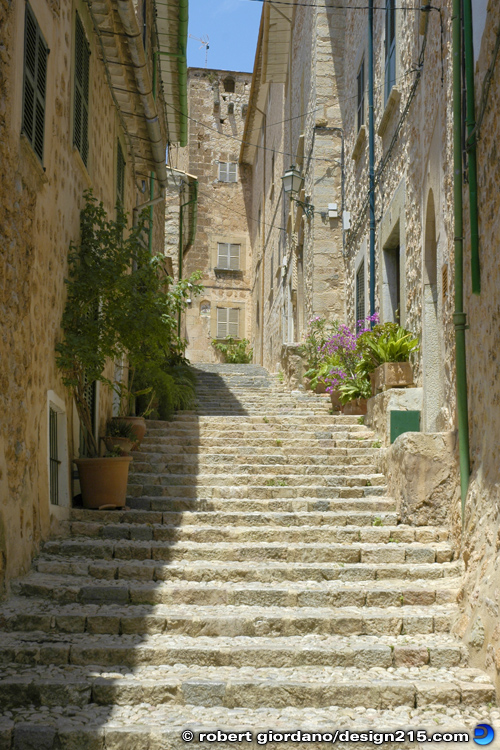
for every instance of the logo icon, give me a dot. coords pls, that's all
(483, 734)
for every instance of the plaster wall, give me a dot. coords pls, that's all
(39, 218)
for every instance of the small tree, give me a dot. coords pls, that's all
(120, 301)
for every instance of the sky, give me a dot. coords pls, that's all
(232, 27)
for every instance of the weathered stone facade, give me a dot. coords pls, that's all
(40, 203)
(217, 107)
(294, 119)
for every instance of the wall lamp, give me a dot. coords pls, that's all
(292, 184)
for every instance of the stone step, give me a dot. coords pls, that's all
(224, 519)
(308, 454)
(234, 572)
(225, 468)
(94, 638)
(355, 552)
(379, 504)
(267, 477)
(159, 726)
(318, 445)
(337, 594)
(215, 534)
(256, 491)
(251, 687)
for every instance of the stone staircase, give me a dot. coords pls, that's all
(259, 581)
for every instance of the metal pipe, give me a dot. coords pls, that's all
(459, 317)
(181, 241)
(134, 40)
(471, 147)
(371, 143)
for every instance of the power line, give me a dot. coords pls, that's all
(329, 7)
(268, 148)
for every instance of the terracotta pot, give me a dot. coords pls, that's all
(335, 397)
(357, 407)
(123, 443)
(138, 426)
(103, 481)
(393, 375)
(320, 388)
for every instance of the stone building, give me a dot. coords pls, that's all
(294, 120)
(77, 111)
(221, 250)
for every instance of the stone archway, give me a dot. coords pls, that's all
(431, 350)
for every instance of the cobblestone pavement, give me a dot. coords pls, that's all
(259, 581)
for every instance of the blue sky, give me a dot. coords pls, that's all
(232, 27)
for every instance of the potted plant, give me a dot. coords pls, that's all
(354, 394)
(120, 436)
(120, 303)
(386, 352)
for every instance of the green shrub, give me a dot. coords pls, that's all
(234, 352)
(385, 343)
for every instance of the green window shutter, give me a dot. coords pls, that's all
(222, 322)
(234, 257)
(35, 83)
(233, 322)
(223, 255)
(120, 176)
(81, 93)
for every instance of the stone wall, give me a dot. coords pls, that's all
(298, 269)
(215, 130)
(39, 217)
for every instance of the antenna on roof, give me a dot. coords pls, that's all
(204, 43)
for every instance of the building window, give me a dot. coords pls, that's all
(390, 47)
(81, 93)
(34, 85)
(360, 292)
(53, 457)
(228, 256)
(120, 176)
(229, 85)
(361, 95)
(227, 171)
(228, 322)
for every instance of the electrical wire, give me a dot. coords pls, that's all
(268, 148)
(327, 7)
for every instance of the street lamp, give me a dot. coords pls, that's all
(292, 184)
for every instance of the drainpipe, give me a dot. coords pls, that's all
(471, 146)
(371, 141)
(136, 48)
(459, 318)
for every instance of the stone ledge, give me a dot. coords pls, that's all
(360, 142)
(390, 108)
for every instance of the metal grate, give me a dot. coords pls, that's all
(53, 458)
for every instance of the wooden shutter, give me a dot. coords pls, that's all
(35, 83)
(223, 255)
(360, 292)
(221, 322)
(120, 175)
(231, 172)
(233, 323)
(222, 171)
(81, 93)
(234, 257)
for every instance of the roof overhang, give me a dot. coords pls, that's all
(172, 26)
(271, 66)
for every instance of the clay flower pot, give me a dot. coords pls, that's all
(138, 426)
(103, 481)
(124, 444)
(358, 406)
(335, 398)
(392, 375)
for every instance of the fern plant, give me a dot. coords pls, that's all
(385, 343)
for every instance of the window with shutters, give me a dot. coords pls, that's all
(228, 256)
(390, 47)
(360, 292)
(228, 172)
(361, 95)
(81, 92)
(120, 176)
(35, 82)
(228, 322)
